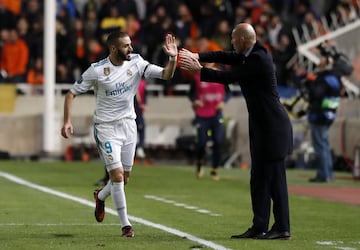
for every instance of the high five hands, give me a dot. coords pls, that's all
(189, 61)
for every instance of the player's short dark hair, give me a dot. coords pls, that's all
(113, 37)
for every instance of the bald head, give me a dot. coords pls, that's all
(243, 37)
(245, 30)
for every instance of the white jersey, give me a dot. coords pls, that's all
(115, 86)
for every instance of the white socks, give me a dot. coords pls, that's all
(119, 200)
(105, 192)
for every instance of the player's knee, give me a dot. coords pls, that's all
(117, 175)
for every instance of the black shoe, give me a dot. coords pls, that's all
(249, 234)
(275, 235)
(318, 180)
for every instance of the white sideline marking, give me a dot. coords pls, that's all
(336, 244)
(190, 237)
(199, 210)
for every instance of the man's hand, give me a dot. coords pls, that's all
(170, 46)
(189, 61)
(197, 104)
(220, 106)
(187, 53)
(67, 130)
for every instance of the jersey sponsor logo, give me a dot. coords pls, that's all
(120, 88)
(129, 72)
(107, 71)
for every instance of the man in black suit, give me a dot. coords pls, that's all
(270, 130)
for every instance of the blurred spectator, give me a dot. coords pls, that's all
(222, 34)
(94, 51)
(4, 38)
(313, 25)
(207, 20)
(112, 22)
(7, 18)
(262, 35)
(91, 24)
(14, 58)
(281, 7)
(265, 15)
(63, 75)
(254, 9)
(22, 26)
(223, 9)
(274, 28)
(197, 45)
(185, 26)
(300, 8)
(64, 53)
(105, 8)
(13, 5)
(35, 76)
(282, 53)
(79, 43)
(64, 17)
(141, 9)
(126, 7)
(35, 38)
(67, 5)
(205, 44)
(90, 6)
(33, 11)
(123, 9)
(241, 14)
(154, 30)
(132, 29)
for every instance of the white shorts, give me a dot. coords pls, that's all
(116, 143)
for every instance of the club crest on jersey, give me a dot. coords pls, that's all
(107, 71)
(110, 158)
(129, 72)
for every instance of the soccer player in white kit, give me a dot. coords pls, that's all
(115, 80)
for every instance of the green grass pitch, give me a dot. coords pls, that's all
(187, 213)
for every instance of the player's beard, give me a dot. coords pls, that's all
(122, 56)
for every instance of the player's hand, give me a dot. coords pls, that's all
(170, 46)
(67, 130)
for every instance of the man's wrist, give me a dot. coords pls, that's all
(172, 58)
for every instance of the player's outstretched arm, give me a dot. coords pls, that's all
(67, 127)
(170, 49)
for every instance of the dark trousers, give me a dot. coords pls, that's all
(140, 123)
(216, 126)
(268, 183)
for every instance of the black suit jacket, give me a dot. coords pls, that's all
(270, 129)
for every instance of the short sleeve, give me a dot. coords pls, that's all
(86, 82)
